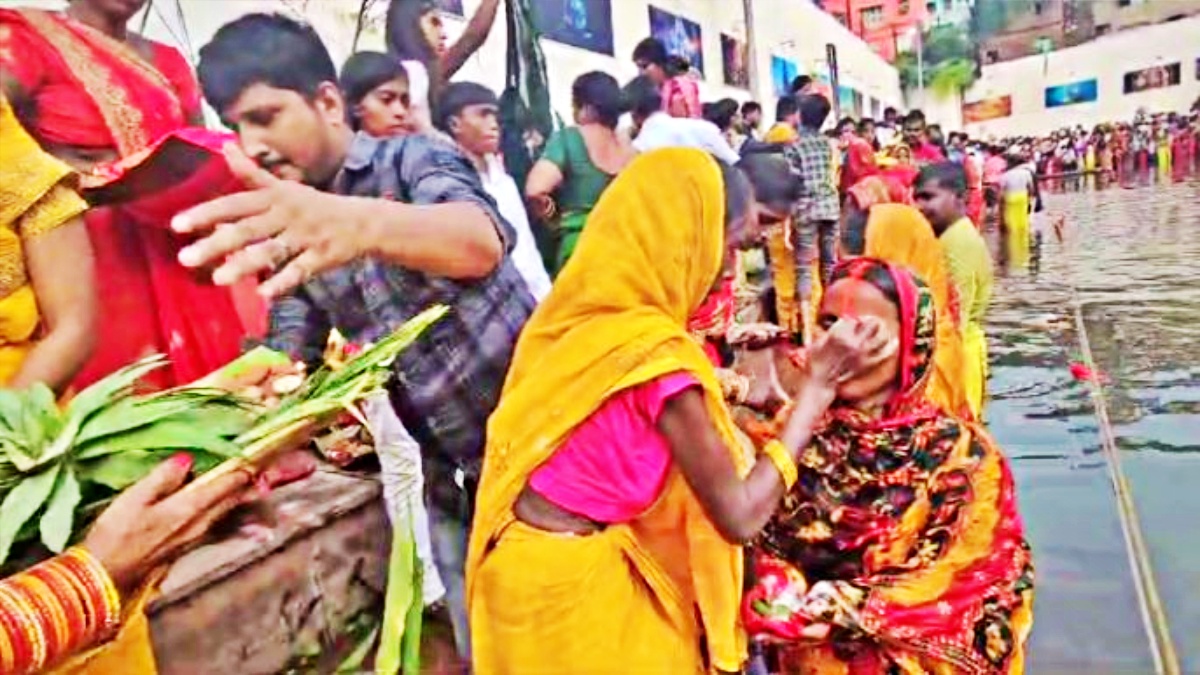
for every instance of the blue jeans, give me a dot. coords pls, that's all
(449, 535)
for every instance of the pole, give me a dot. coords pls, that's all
(751, 46)
(921, 66)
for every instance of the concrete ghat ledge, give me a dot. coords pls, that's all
(283, 580)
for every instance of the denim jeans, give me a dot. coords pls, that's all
(450, 533)
(814, 240)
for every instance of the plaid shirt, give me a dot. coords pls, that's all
(812, 160)
(448, 382)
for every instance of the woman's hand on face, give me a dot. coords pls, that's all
(850, 347)
(766, 393)
(149, 523)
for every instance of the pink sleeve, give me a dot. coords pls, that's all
(653, 395)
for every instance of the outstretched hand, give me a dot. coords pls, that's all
(275, 227)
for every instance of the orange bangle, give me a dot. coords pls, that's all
(781, 457)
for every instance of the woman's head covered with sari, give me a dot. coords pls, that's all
(657, 243)
(877, 227)
(904, 521)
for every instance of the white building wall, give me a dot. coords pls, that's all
(1107, 59)
(791, 28)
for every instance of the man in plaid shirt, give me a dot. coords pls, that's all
(816, 215)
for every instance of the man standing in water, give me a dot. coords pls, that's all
(940, 192)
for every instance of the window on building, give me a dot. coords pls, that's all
(871, 17)
(1102, 29)
(1124, 3)
(1038, 7)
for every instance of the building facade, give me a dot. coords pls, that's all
(888, 26)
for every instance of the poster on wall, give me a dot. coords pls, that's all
(586, 24)
(681, 37)
(454, 7)
(1154, 77)
(783, 71)
(988, 109)
(1083, 91)
(735, 62)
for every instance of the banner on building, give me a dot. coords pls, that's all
(579, 23)
(681, 36)
(735, 61)
(783, 71)
(987, 109)
(1154, 77)
(1083, 91)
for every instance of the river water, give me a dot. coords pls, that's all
(1132, 255)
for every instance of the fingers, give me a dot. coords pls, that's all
(164, 480)
(200, 498)
(295, 273)
(228, 209)
(188, 533)
(252, 175)
(254, 258)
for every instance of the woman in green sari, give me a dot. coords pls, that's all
(579, 162)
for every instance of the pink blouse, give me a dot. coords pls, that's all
(614, 465)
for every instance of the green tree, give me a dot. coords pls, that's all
(949, 61)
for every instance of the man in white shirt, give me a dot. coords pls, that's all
(468, 113)
(656, 129)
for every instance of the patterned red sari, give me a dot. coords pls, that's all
(905, 530)
(90, 92)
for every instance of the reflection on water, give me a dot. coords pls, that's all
(1131, 253)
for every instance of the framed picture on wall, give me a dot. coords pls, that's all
(735, 61)
(1154, 77)
(1083, 91)
(681, 36)
(586, 24)
(987, 109)
(783, 71)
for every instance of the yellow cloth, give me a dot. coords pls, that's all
(899, 234)
(615, 318)
(130, 652)
(780, 133)
(1016, 226)
(970, 266)
(783, 276)
(33, 200)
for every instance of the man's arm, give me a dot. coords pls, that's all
(452, 227)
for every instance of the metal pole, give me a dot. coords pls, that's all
(921, 66)
(751, 48)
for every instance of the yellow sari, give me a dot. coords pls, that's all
(637, 597)
(899, 234)
(34, 199)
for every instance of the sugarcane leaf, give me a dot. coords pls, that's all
(171, 434)
(22, 503)
(11, 405)
(60, 512)
(411, 650)
(119, 471)
(398, 599)
(107, 392)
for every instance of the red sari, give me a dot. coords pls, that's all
(92, 92)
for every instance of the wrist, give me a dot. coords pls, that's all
(367, 228)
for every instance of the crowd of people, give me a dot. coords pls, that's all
(625, 432)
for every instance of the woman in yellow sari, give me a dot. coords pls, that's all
(873, 225)
(47, 290)
(606, 530)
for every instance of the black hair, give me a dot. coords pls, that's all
(889, 111)
(877, 274)
(270, 49)
(854, 228)
(721, 113)
(739, 192)
(751, 107)
(677, 65)
(847, 120)
(799, 83)
(771, 176)
(914, 115)
(600, 92)
(785, 107)
(641, 97)
(365, 71)
(459, 95)
(814, 108)
(949, 175)
(403, 29)
(651, 50)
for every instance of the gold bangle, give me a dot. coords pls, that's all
(779, 455)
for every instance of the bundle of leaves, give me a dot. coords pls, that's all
(60, 466)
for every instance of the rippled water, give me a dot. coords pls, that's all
(1132, 254)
